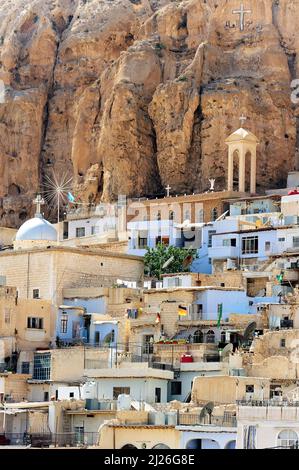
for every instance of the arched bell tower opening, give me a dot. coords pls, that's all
(242, 146)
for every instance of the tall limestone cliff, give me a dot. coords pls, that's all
(128, 96)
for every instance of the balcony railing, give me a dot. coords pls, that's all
(69, 439)
(267, 403)
(223, 252)
(188, 419)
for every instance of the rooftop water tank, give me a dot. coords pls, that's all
(172, 419)
(124, 402)
(159, 419)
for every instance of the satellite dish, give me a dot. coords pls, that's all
(250, 329)
(207, 411)
(227, 350)
(168, 262)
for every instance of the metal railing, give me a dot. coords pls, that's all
(267, 403)
(188, 419)
(69, 439)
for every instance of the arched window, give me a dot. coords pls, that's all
(287, 438)
(200, 216)
(129, 446)
(171, 215)
(159, 215)
(210, 336)
(231, 445)
(161, 446)
(198, 337)
(187, 215)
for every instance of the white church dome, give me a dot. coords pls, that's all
(37, 229)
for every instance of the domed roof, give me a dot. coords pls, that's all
(37, 229)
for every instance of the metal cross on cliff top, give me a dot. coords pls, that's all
(242, 13)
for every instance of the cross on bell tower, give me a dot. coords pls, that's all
(39, 202)
(243, 119)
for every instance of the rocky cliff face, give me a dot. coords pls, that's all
(127, 96)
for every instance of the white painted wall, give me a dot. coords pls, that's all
(140, 389)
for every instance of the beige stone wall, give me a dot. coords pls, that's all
(227, 389)
(30, 339)
(282, 310)
(276, 367)
(16, 386)
(54, 269)
(117, 437)
(254, 286)
(270, 344)
(167, 304)
(8, 318)
(7, 235)
(67, 364)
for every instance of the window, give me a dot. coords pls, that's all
(214, 214)
(25, 367)
(94, 230)
(41, 366)
(142, 242)
(159, 215)
(250, 245)
(35, 323)
(210, 239)
(97, 337)
(72, 394)
(230, 242)
(187, 215)
(210, 336)
(267, 246)
(200, 216)
(148, 347)
(35, 293)
(175, 281)
(249, 388)
(282, 343)
(157, 395)
(198, 337)
(63, 323)
(282, 239)
(7, 316)
(79, 434)
(120, 391)
(287, 438)
(80, 232)
(46, 396)
(295, 242)
(176, 388)
(171, 215)
(223, 337)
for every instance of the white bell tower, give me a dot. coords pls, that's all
(240, 144)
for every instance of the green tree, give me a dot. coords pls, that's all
(155, 258)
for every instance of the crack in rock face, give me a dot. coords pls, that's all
(129, 96)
